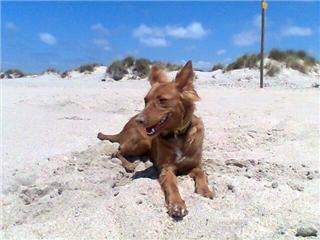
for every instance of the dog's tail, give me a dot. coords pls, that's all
(111, 138)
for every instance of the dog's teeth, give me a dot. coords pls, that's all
(162, 120)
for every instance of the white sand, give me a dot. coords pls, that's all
(59, 183)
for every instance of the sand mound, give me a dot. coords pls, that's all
(89, 195)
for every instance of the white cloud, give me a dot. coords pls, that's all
(47, 38)
(98, 27)
(154, 41)
(102, 43)
(246, 38)
(157, 35)
(221, 51)
(194, 30)
(249, 36)
(10, 26)
(144, 30)
(256, 21)
(296, 31)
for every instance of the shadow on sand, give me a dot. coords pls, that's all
(150, 172)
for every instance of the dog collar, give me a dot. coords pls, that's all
(179, 131)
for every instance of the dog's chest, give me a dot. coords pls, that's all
(173, 150)
(179, 156)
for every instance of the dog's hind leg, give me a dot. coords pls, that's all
(128, 166)
(111, 138)
(131, 148)
(201, 183)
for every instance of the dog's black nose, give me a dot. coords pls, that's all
(140, 119)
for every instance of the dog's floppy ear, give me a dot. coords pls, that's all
(157, 75)
(184, 82)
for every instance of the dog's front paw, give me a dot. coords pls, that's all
(177, 210)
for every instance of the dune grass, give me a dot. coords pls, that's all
(298, 60)
(87, 68)
(291, 56)
(244, 61)
(13, 73)
(217, 67)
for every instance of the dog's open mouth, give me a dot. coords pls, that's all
(153, 129)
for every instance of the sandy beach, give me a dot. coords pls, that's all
(261, 154)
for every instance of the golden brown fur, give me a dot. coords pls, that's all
(133, 141)
(169, 131)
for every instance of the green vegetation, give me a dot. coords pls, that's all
(217, 67)
(65, 74)
(272, 70)
(167, 66)
(277, 55)
(245, 61)
(298, 60)
(117, 70)
(172, 67)
(52, 70)
(87, 68)
(289, 55)
(142, 67)
(128, 61)
(13, 73)
(297, 64)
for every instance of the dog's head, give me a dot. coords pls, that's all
(168, 104)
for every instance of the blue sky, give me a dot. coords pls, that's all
(63, 35)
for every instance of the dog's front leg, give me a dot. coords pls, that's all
(168, 181)
(201, 183)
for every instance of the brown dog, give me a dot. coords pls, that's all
(133, 139)
(171, 133)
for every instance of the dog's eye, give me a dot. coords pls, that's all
(145, 101)
(162, 100)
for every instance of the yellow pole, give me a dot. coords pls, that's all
(264, 6)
